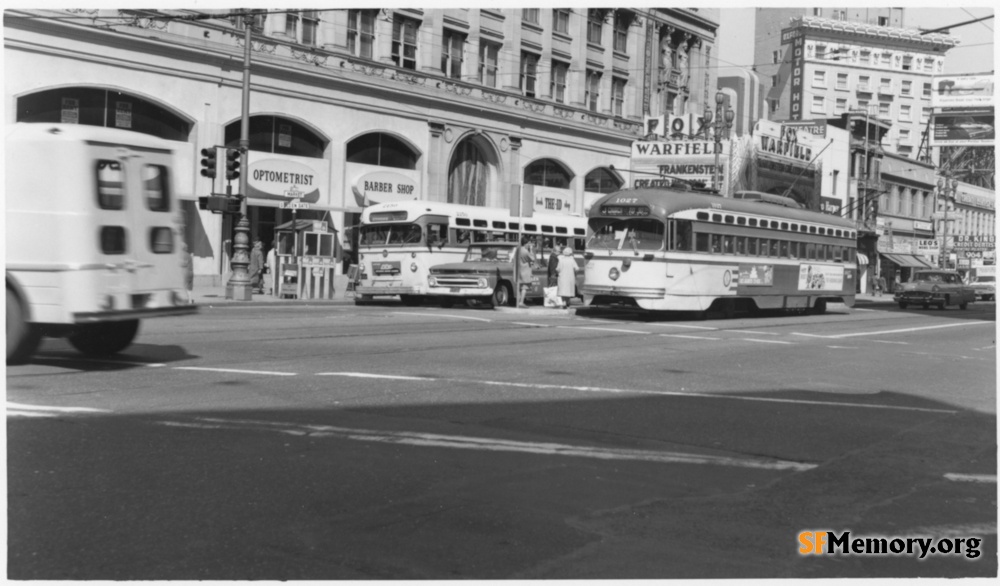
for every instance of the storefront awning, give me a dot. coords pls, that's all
(909, 260)
(862, 258)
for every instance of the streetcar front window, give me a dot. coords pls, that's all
(627, 234)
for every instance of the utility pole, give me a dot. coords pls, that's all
(238, 287)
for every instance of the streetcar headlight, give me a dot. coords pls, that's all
(613, 274)
(413, 267)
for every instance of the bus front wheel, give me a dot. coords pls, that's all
(106, 338)
(22, 337)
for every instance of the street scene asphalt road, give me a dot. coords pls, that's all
(391, 442)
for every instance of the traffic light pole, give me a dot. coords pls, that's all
(238, 287)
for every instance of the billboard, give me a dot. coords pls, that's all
(964, 128)
(962, 91)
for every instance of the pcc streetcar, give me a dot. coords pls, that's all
(673, 249)
(399, 242)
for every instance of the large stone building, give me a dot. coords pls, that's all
(457, 105)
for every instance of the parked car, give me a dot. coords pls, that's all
(935, 287)
(486, 276)
(985, 287)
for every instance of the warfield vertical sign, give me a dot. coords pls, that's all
(796, 39)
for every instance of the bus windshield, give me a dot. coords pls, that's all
(625, 234)
(381, 234)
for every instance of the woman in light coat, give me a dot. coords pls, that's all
(566, 275)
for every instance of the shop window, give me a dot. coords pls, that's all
(602, 180)
(547, 173)
(273, 134)
(381, 149)
(100, 107)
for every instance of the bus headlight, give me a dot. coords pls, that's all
(613, 274)
(413, 267)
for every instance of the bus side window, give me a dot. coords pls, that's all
(701, 242)
(437, 234)
(579, 244)
(463, 236)
(480, 236)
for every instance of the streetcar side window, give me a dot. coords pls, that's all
(727, 244)
(793, 249)
(752, 246)
(784, 249)
(741, 245)
(716, 243)
(682, 235)
(701, 242)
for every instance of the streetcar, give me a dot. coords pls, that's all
(677, 249)
(93, 236)
(399, 242)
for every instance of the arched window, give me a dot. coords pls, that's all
(602, 180)
(102, 107)
(381, 149)
(469, 174)
(547, 173)
(273, 134)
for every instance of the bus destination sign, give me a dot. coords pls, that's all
(624, 211)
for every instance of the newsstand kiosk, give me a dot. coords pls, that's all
(306, 259)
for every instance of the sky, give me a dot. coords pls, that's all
(975, 53)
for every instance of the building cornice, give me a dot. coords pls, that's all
(874, 32)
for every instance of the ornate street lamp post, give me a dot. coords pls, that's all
(238, 287)
(720, 128)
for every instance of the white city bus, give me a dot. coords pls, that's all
(93, 237)
(399, 242)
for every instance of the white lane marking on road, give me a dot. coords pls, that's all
(843, 347)
(436, 315)
(688, 337)
(434, 440)
(23, 407)
(370, 375)
(522, 323)
(891, 342)
(129, 362)
(900, 331)
(16, 413)
(753, 332)
(235, 370)
(603, 329)
(765, 341)
(971, 477)
(685, 326)
(648, 392)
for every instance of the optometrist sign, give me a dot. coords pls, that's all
(281, 179)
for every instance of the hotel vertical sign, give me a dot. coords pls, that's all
(796, 39)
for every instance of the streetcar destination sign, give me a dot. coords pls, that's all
(624, 211)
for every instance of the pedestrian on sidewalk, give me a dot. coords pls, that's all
(525, 259)
(880, 286)
(256, 268)
(554, 263)
(272, 269)
(189, 274)
(567, 275)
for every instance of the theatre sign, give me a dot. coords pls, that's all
(656, 163)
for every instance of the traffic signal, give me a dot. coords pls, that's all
(232, 164)
(215, 203)
(208, 163)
